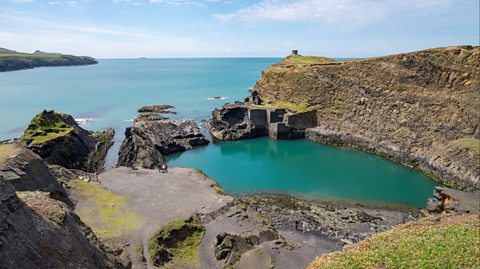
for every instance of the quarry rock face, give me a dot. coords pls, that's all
(247, 120)
(419, 108)
(39, 232)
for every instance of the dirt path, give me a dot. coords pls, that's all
(161, 197)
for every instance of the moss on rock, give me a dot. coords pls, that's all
(107, 212)
(177, 244)
(46, 126)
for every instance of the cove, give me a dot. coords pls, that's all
(308, 169)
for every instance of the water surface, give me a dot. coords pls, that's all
(306, 168)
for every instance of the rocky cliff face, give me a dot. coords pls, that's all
(418, 108)
(26, 171)
(39, 232)
(59, 140)
(151, 138)
(250, 120)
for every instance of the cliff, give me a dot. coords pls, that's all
(12, 60)
(37, 229)
(418, 108)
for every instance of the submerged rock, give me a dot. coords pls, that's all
(150, 139)
(59, 140)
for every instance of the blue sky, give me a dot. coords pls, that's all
(236, 28)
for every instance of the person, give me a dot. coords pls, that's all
(165, 167)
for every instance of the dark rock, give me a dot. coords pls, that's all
(148, 141)
(39, 232)
(156, 109)
(26, 171)
(149, 117)
(242, 121)
(449, 200)
(59, 140)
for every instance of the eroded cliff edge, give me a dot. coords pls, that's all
(419, 108)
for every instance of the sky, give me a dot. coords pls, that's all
(236, 28)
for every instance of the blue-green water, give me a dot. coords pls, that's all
(109, 94)
(305, 168)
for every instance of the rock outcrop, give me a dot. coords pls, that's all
(58, 139)
(39, 232)
(448, 200)
(26, 171)
(419, 108)
(149, 139)
(250, 120)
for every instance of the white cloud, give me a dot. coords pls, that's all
(96, 40)
(21, 1)
(351, 13)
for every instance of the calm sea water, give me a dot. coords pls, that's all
(109, 94)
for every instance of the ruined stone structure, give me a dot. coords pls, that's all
(245, 120)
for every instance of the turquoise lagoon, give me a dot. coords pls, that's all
(108, 95)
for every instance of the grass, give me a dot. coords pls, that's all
(107, 212)
(295, 107)
(31, 55)
(42, 204)
(218, 189)
(299, 59)
(45, 127)
(448, 241)
(8, 150)
(468, 143)
(184, 250)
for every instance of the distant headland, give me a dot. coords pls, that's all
(11, 60)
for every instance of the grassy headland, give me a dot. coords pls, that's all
(11, 60)
(449, 241)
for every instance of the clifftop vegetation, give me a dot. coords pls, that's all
(11, 60)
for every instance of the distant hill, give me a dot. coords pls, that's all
(3, 50)
(11, 60)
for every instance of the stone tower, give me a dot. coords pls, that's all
(294, 52)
